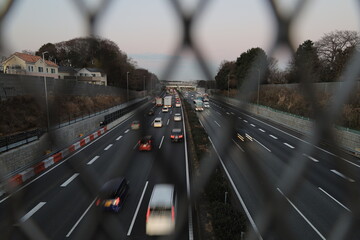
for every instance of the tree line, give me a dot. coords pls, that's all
(320, 61)
(95, 52)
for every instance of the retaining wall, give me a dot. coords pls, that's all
(347, 138)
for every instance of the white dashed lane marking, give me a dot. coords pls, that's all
(67, 182)
(92, 160)
(127, 130)
(342, 175)
(108, 147)
(252, 125)
(273, 136)
(288, 145)
(245, 121)
(311, 158)
(217, 123)
(32, 211)
(118, 138)
(261, 130)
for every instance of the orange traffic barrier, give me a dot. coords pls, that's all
(15, 180)
(57, 157)
(39, 167)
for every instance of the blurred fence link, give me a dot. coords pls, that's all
(273, 217)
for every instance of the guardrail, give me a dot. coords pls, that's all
(16, 140)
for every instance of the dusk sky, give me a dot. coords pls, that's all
(149, 30)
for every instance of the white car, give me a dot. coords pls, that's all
(161, 212)
(177, 104)
(165, 109)
(158, 122)
(206, 105)
(177, 117)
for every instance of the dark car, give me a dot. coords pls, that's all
(151, 112)
(177, 135)
(113, 194)
(145, 143)
(242, 135)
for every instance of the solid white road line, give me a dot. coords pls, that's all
(32, 211)
(288, 145)
(162, 139)
(93, 160)
(302, 215)
(119, 138)
(137, 209)
(191, 231)
(127, 130)
(168, 121)
(81, 217)
(252, 222)
(108, 147)
(273, 136)
(342, 175)
(262, 145)
(311, 158)
(238, 145)
(334, 199)
(261, 130)
(217, 123)
(69, 180)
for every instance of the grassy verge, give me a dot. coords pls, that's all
(217, 219)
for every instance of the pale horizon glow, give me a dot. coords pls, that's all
(149, 32)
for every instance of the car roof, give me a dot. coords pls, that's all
(111, 185)
(177, 114)
(136, 121)
(158, 118)
(176, 130)
(162, 195)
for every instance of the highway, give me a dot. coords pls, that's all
(59, 204)
(261, 170)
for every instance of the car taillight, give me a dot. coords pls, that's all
(180, 136)
(147, 214)
(98, 202)
(172, 213)
(116, 201)
(172, 136)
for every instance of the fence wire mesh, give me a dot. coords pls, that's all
(273, 216)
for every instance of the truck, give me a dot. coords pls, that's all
(199, 105)
(158, 101)
(168, 101)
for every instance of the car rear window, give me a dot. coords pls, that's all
(160, 211)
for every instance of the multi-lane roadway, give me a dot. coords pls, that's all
(59, 204)
(318, 205)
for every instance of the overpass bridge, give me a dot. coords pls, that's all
(179, 85)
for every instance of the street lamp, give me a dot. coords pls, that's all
(127, 85)
(46, 96)
(258, 91)
(228, 86)
(144, 86)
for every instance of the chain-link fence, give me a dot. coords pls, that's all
(273, 217)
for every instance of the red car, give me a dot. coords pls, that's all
(145, 143)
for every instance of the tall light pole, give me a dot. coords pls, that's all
(228, 86)
(144, 86)
(258, 91)
(127, 85)
(46, 96)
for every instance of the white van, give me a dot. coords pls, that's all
(160, 215)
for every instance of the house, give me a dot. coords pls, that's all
(91, 75)
(26, 64)
(66, 72)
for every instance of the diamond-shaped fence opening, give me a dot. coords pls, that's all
(273, 219)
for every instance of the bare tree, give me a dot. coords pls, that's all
(335, 49)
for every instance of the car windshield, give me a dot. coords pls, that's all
(176, 131)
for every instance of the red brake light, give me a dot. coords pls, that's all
(172, 136)
(172, 213)
(147, 214)
(180, 136)
(98, 202)
(117, 201)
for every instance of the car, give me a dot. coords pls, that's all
(158, 122)
(161, 211)
(206, 105)
(242, 135)
(151, 112)
(135, 125)
(177, 117)
(113, 194)
(145, 143)
(178, 104)
(176, 135)
(165, 109)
